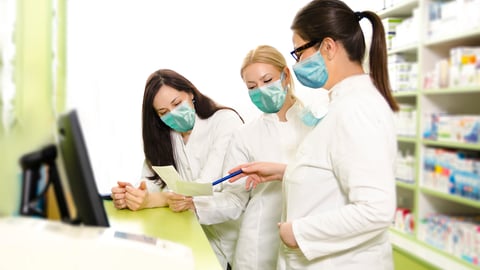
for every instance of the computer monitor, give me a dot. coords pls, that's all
(74, 160)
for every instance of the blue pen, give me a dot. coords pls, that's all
(227, 177)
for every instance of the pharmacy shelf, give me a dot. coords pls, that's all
(452, 90)
(402, 9)
(405, 94)
(452, 145)
(405, 49)
(406, 139)
(422, 200)
(405, 185)
(467, 38)
(425, 252)
(451, 197)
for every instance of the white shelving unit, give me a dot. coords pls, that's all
(418, 197)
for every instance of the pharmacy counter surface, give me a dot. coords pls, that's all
(182, 228)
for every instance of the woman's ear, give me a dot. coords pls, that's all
(286, 70)
(191, 97)
(330, 47)
(288, 76)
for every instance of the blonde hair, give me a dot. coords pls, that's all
(267, 55)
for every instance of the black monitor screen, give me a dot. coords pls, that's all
(74, 159)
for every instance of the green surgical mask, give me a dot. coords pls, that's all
(181, 118)
(269, 98)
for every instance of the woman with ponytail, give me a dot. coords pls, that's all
(339, 190)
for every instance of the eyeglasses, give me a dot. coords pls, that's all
(298, 51)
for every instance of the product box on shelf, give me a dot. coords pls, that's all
(404, 220)
(446, 17)
(405, 120)
(405, 31)
(465, 66)
(457, 235)
(390, 26)
(405, 167)
(452, 172)
(452, 128)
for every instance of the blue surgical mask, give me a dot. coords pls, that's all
(312, 71)
(311, 116)
(269, 98)
(181, 118)
(309, 119)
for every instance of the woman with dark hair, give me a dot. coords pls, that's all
(339, 190)
(180, 127)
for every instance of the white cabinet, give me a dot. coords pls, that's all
(438, 49)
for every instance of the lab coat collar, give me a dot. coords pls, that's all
(347, 84)
(294, 110)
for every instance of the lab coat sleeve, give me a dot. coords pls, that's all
(224, 124)
(230, 202)
(362, 157)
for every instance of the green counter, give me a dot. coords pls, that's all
(182, 228)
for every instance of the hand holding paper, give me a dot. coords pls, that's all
(177, 185)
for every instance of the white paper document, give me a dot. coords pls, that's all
(178, 185)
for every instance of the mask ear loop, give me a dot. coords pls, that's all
(320, 47)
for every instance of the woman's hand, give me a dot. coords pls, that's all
(137, 198)
(180, 203)
(286, 234)
(118, 195)
(259, 172)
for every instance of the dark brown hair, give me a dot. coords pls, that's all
(333, 18)
(157, 144)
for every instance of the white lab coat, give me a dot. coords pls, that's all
(264, 139)
(340, 190)
(201, 159)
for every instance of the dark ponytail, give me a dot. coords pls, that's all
(378, 59)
